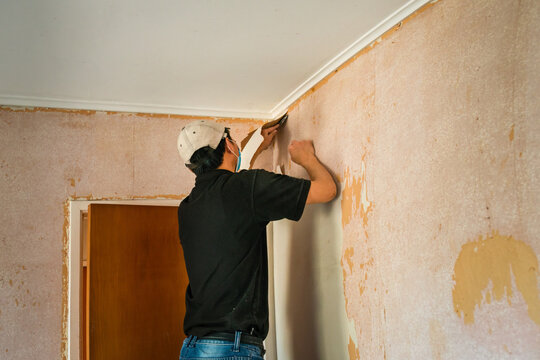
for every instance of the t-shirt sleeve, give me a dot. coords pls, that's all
(276, 196)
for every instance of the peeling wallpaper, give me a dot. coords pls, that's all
(485, 271)
(433, 136)
(430, 250)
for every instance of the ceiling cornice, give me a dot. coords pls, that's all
(30, 101)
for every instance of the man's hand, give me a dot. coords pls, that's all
(268, 134)
(302, 152)
(323, 187)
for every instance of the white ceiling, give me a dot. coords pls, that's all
(240, 58)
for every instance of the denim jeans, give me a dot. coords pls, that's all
(194, 348)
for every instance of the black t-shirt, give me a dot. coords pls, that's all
(222, 228)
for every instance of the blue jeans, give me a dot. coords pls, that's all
(194, 348)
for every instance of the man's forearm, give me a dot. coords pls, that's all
(316, 170)
(323, 186)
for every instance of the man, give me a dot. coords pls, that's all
(222, 229)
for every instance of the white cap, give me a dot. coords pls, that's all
(199, 134)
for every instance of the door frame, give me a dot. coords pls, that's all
(76, 207)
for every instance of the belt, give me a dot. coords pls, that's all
(245, 338)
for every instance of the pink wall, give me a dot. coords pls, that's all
(434, 137)
(430, 251)
(48, 157)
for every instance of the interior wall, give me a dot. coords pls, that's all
(431, 249)
(51, 156)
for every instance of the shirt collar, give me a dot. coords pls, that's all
(210, 174)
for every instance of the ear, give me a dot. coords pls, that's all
(229, 146)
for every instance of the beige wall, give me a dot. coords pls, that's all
(434, 137)
(48, 157)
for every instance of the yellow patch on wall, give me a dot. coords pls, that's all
(511, 135)
(354, 353)
(493, 260)
(350, 197)
(349, 252)
(354, 196)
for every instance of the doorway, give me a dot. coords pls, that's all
(77, 216)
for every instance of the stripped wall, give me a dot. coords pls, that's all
(431, 250)
(48, 157)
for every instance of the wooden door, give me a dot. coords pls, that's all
(136, 283)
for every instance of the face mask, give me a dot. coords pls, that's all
(238, 158)
(239, 162)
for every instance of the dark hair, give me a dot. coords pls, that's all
(206, 158)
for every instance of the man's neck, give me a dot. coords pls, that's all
(228, 168)
(229, 162)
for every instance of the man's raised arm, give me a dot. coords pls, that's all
(323, 187)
